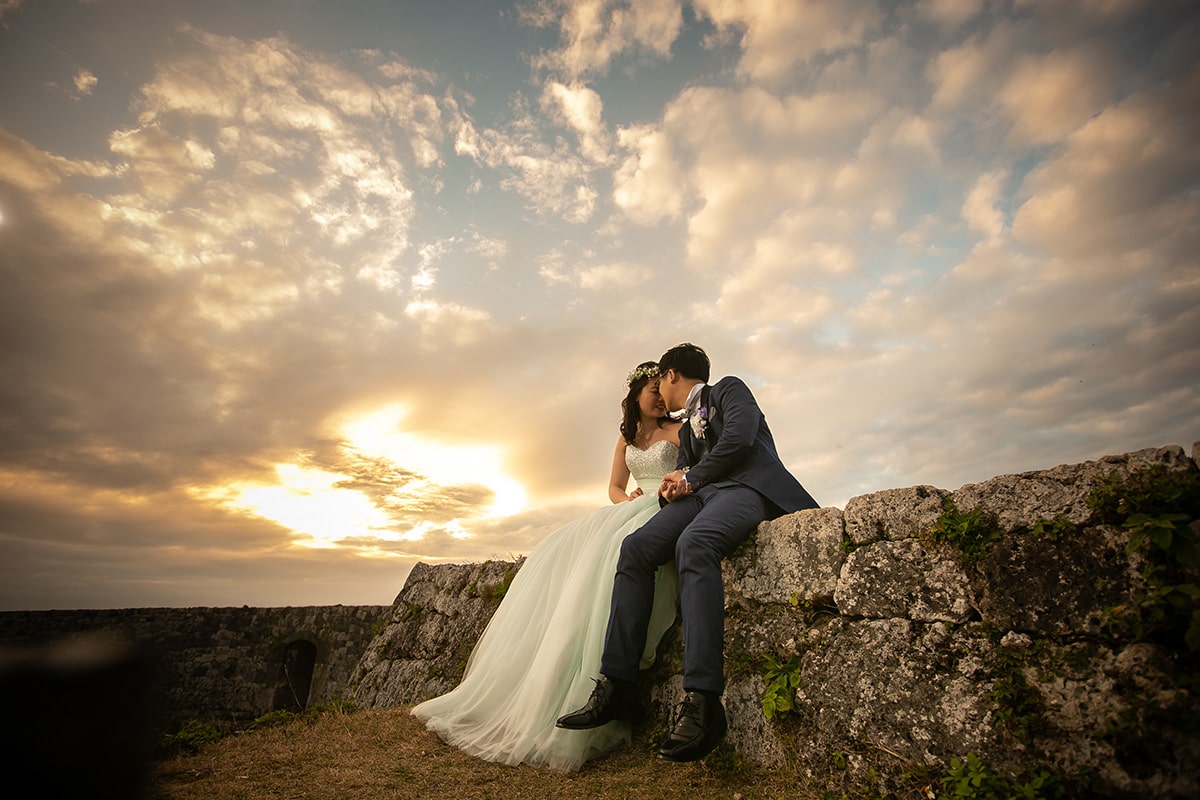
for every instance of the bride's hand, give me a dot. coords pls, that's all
(635, 494)
(674, 485)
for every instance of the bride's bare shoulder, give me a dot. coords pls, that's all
(671, 431)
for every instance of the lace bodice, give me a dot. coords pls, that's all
(649, 465)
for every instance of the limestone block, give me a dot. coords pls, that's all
(1055, 586)
(1019, 501)
(436, 620)
(793, 558)
(754, 631)
(751, 734)
(909, 687)
(893, 514)
(903, 579)
(1086, 687)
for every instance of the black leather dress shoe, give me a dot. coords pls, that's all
(700, 728)
(610, 700)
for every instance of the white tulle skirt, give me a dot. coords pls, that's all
(541, 650)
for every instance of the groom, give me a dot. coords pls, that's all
(728, 480)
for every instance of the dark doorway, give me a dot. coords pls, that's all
(295, 677)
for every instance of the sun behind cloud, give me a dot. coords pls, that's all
(309, 501)
(387, 485)
(379, 434)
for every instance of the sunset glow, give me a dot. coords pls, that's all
(380, 434)
(297, 295)
(324, 510)
(308, 502)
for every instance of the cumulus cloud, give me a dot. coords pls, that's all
(206, 273)
(581, 109)
(967, 72)
(775, 38)
(1050, 96)
(649, 185)
(1120, 179)
(300, 310)
(982, 210)
(950, 14)
(553, 179)
(594, 32)
(85, 82)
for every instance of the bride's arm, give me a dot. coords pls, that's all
(618, 480)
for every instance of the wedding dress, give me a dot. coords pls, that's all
(537, 657)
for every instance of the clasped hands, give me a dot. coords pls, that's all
(674, 485)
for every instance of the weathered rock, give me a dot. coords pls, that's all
(1018, 501)
(750, 733)
(1059, 586)
(903, 579)
(753, 632)
(893, 514)
(436, 620)
(920, 691)
(792, 559)
(911, 654)
(1116, 714)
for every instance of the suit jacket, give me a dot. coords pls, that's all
(738, 446)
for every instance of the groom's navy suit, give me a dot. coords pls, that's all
(737, 481)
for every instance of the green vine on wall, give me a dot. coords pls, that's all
(970, 532)
(1158, 506)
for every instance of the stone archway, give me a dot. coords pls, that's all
(295, 676)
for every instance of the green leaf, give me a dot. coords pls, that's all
(1192, 637)
(1135, 540)
(1187, 552)
(1161, 535)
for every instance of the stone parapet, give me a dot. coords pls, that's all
(218, 663)
(909, 651)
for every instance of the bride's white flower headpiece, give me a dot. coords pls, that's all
(647, 371)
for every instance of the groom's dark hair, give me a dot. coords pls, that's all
(687, 359)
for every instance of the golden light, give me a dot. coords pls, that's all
(379, 435)
(307, 501)
(320, 505)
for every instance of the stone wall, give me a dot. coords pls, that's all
(433, 625)
(214, 663)
(908, 652)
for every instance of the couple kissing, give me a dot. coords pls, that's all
(589, 606)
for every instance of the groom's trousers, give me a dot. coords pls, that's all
(698, 531)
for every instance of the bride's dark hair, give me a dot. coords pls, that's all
(630, 412)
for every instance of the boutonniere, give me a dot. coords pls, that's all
(699, 422)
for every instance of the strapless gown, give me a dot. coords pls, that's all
(537, 657)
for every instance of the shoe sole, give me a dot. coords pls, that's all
(620, 718)
(585, 727)
(685, 755)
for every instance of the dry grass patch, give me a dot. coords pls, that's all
(377, 754)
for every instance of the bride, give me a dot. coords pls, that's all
(536, 658)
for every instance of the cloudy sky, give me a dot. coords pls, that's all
(296, 293)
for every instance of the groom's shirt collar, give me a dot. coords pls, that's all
(692, 404)
(693, 400)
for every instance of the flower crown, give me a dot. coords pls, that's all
(648, 371)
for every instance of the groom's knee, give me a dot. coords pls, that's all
(637, 554)
(697, 549)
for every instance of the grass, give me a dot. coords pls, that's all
(387, 753)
